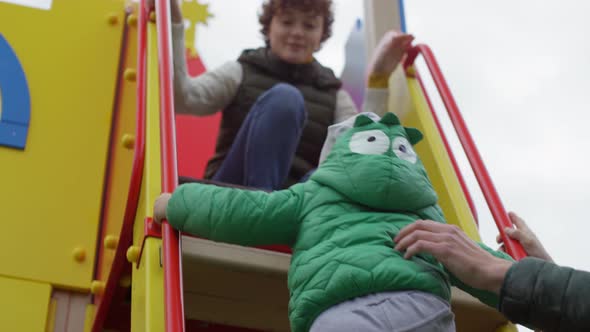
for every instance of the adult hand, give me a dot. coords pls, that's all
(160, 207)
(456, 251)
(523, 234)
(389, 52)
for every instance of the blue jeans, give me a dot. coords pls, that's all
(264, 147)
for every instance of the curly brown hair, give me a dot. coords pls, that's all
(320, 7)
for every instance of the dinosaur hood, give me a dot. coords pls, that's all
(374, 164)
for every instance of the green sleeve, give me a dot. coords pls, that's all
(486, 297)
(244, 217)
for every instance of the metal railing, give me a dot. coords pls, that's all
(173, 293)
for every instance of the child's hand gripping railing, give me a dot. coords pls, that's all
(513, 248)
(173, 294)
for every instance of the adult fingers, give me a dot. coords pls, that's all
(415, 236)
(518, 221)
(425, 225)
(436, 249)
(519, 235)
(440, 240)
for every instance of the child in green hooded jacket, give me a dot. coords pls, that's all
(345, 274)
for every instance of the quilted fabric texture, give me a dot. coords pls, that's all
(340, 223)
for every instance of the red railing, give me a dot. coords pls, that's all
(483, 178)
(126, 235)
(173, 300)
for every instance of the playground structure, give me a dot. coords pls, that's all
(88, 141)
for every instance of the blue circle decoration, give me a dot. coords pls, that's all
(16, 100)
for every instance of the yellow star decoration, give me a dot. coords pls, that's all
(195, 13)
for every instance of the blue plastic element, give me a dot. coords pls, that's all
(13, 135)
(16, 100)
(402, 16)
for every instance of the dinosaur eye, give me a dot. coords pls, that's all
(369, 142)
(403, 149)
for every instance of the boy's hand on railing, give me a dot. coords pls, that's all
(160, 207)
(389, 52)
(523, 234)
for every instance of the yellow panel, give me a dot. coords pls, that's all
(24, 305)
(153, 170)
(151, 185)
(438, 164)
(121, 157)
(154, 304)
(147, 299)
(51, 192)
(50, 327)
(90, 313)
(138, 278)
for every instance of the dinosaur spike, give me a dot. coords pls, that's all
(390, 119)
(362, 120)
(414, 135)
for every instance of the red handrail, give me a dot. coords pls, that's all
(173, 301)
(126, 235)
(483, 178)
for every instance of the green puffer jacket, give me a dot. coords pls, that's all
(340, 223)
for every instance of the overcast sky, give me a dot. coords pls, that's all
(519, 71)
